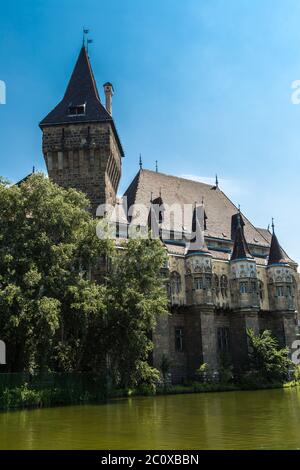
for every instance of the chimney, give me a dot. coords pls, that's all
(109, 91)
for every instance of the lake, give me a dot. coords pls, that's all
(267, 419)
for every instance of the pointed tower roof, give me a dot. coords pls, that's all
(81, 92)
(240, 247)
(198, 243)
(156, 214)
(277, 255)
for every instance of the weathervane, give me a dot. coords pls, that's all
(273, 225)
(85, 40)
(84, 33)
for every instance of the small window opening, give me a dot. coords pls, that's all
(78, 110)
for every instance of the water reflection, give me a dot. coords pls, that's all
(236, 420)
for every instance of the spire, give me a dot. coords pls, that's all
(141, 162)
(277, 255)
(81, 102)
(156, 166)
(216, 185)
(156, 214)
(240, 246)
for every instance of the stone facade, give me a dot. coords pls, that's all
(240, 277)
(84, 156)
(213, 303)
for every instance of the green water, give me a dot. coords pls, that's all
(236, 420)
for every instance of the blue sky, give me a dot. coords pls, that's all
(202, 86)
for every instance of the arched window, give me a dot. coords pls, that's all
(224, 285)
(243, 287)
(175, 283)
(216, 283)
(261, 290)
(208, 281)
(198, 283)
(279, 291)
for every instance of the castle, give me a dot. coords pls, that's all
(238, 278)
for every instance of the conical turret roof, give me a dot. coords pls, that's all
(240, 247)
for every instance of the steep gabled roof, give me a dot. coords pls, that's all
(175, 190)
(81, 90)
(240, 246)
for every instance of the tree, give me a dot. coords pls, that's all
(49, 307)
(137, 296)
(266, 357)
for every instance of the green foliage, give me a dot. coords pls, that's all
(268, 362)
(136, 298)
(53, 316)
(201, 372)
(297, 373)
(17, 391)
(48, 305)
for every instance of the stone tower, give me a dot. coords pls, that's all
(81, 146)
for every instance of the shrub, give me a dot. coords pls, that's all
(267, 359)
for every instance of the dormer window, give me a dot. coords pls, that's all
(78, 110)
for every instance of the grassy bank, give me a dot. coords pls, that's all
(28, 396)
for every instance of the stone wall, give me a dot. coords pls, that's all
(85, 157)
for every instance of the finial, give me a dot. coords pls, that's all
(141, 162)
(239, 217)
(89, 41)
(217, 181)
(33, 169)
(273, 225)
(156, 166)
(85, 32)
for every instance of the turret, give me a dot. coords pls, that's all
(81, 146)
(280, 278)
(243, 277)
(198, 263)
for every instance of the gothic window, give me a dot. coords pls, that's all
(175, 283)
(216, 283)
(198, 283)
(279, 291)
(261, 290)
(223, 340)
(208, 281)
(78, 110)
(289, 291)
(224, 285)
(243, 287)
(76, 159)
(178, 339)
(168, 288)
(253, 287)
